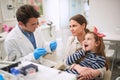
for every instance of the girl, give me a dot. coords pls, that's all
(91, 55)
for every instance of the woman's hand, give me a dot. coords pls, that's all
(86, 73)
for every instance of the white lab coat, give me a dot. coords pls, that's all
(18, 47)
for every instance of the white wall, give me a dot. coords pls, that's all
(51, 11)
(59, 11)
(105, 14)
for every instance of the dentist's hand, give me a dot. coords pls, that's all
(1, 77)
(53, 45)
(39, 52)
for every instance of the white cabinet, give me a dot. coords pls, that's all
(7, 16)
(7, 11)
(2, 50)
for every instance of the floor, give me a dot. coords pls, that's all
(116, 70)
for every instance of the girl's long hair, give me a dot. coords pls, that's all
(100, 50)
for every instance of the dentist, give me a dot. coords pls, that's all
(25, 41)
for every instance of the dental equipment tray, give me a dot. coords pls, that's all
(6, 65)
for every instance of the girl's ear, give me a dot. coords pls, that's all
(97, 43)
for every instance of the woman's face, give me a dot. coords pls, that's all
(76, 28)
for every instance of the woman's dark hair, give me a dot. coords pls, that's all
(80, 19)
(25, 12)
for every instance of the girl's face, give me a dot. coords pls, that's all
(75, 28)
(90, 43)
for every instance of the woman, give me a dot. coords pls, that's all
(78, 29)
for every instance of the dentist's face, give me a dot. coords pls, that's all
(75, 28)
(31, 25)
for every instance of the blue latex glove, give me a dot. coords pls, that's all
(1, 77)
(14, 71)
(39, 52)
(53, 45)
